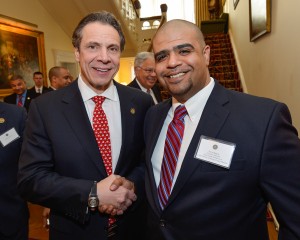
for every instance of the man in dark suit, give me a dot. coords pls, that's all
(61, 163)
(38, 88)
(145, 76)
(20, 95)
(59, 77)
(238, 152)
(13, 209)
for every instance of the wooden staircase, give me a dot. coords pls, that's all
(222, 65)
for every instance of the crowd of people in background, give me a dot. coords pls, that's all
(118, 163)
(58, 77)
(13, 115)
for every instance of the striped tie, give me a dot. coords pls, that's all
(171, 152)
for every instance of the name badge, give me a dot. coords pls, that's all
(8, 137)
(215, 151)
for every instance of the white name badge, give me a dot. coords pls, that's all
(215, 151)
(9, 137)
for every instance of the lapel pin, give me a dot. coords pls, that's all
(132, 110)
(2, 120)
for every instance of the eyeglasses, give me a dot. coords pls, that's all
(148, 70)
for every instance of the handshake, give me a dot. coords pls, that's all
(115, 195)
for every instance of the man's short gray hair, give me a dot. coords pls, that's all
(141, 57)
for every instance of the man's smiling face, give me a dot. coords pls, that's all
(99, 55)
(181, 59)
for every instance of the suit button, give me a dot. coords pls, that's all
(162, 223)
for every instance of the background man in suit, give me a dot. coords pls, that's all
(13, 209)
(238, 152)
(20, 95)
(145, 76)
(61, 157)
(38, 87)
(59, 77)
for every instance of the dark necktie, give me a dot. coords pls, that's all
(171, 151)
(20, 102)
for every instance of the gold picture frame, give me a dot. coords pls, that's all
(21, 52)
(260, 18)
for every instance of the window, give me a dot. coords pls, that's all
(182, 9)
(156, 24)
(146, 25)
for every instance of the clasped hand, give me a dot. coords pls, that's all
(116, 194)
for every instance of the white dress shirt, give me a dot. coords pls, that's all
(146, 91)
(112, 109)
(38, 90)
(194, 107)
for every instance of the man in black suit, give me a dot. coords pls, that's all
(59, 77)
(61, 163)
(13, 209)
(145, 76)
(38, 88)
(238, 152)
(20, 95)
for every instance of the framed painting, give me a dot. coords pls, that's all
(21, 52)
(235, 3)
(260, 18)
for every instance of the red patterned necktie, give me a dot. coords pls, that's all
(20, 103)
(101, 131)
(171, 152)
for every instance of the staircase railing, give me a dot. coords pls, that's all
(129, 16)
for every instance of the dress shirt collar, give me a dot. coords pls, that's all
(23, 97)
(38, 89)
(143, 88)
(87, 93)
(196, 103)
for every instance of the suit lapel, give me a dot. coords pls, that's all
(75, 113)
(128, 106)
(157, 121)
(3, 118)
(135, 84)
(211, 122)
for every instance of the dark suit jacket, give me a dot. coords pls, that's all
(34, 94)
(212, 203)
(155, 89)
(50, 89)
(13, 209)
(60, 160)
(13, 98)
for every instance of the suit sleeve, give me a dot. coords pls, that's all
(280, 172)
(38, 182)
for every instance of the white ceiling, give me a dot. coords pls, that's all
(68, 13)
